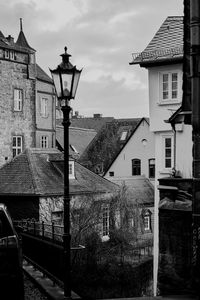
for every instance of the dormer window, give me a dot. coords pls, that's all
(74, 149)
(123, 135)
(71, 170)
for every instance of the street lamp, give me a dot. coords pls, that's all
(66, 79)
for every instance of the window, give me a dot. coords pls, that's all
(152, 168)
(169, 86)
(12, 55)
(44, 141)
(105, 221)
(6, 54)
(17, 145)
(146, 214)
(111, 173)
(18, 97)
(123, 135)
(136, 166)
(168, 152)
(71, 170)
(43, 110)
(147, 222)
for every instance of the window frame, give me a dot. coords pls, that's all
(44, 107)
(18, 100)
(152, 166)
(105, 221)
(71, 169)
(16, 147)
(165, 148)
(146, 217)
(170, 89)
(136, 167)
(44, 141)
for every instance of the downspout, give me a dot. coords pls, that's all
(195, 99)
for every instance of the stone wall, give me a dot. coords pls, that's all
(175, 236)
(15, 75)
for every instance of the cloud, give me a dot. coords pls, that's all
(100, 35)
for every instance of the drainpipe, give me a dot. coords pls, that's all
(195, 99)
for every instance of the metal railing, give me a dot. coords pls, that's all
(146, 56)
(44, 230)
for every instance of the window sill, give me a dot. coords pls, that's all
(168, 102)
(166, 171)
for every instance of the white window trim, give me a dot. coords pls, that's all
(105, 226)
(71, 170)
(18, 99)
(170, 100)
(147, 218)
(44, 107)
(44, 141)
(17, 148)
(163, 152)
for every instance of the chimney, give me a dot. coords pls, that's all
(10, 39)
(97, 116)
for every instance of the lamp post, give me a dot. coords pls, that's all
(66, 79)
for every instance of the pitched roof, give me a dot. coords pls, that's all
(21, 44)
(90, 123)
(167, 43)
(140, 188)
(40, 172)
(41, 75)
(79, 138)
(127, 140)
(107, 143)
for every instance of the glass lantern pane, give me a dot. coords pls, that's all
(75, 83)
(56, 80)
(67, 84)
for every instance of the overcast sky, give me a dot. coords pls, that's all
(101, 36)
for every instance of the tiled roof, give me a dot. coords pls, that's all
(139, 187)
(90, 123)
(79, 138)
(40, 172)
(41, 75)
(22, 42)
(167, 43)
(126, 141)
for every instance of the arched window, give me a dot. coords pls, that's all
(146, 216)
(152, 168)
(136, 166)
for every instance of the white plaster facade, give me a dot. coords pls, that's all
(140, 146)
(181, 140)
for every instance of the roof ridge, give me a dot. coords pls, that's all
(28, 154)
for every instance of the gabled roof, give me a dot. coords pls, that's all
(127, 140)
(107, 143)
(167, 44)
(79, 138)
(41, 75)
(40, 172)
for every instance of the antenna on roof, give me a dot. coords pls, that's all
(21, 29)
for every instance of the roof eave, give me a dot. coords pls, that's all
(158, 62)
